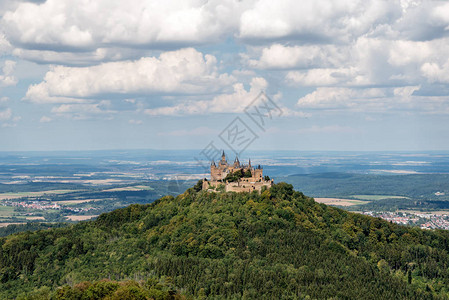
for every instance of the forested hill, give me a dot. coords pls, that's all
(278, 244)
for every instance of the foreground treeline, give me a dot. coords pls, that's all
(30, 226)
(107, 290)
(278, 244)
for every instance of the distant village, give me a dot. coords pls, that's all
(45, 205)
(422, 220)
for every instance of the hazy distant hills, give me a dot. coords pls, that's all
(413, 191)
(276, 245)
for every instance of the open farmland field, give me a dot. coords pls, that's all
(80, 217)
(377, 197)
(6, 211)
(339, 202)
(34, 218)
(6, 224)
(130, 188)
(72, 202)
(4, 196)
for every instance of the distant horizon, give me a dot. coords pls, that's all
(227, 151)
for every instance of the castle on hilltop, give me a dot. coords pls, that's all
(235, 177)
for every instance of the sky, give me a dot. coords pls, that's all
(342, 75)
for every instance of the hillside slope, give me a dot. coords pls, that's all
(277, 245)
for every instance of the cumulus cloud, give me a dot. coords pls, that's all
(5, 114)
(405, 91)
(315, 21)
(135, 122)
(81, 111)
(8, 119)
(7, 78)
(374, 61)
(278, 56)
(373, 100)
(224, 103)
(435, 72)
(84, 58)
(395, 43)
(423, 20)
(45, 119)
(64, 25)
(181, 71)
(5, 46)
(343, 48)
(322, 77)
(339, 22)
(335, 98)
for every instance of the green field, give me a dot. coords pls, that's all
(33, 194)
(130, 188)
(377, 197)
(6, 211)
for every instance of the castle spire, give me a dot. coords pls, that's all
(236, 162)
(249, 163)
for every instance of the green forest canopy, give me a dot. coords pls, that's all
(277, 244)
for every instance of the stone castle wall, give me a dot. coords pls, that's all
(246, 184)
(242, 186)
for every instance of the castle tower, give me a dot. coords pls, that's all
(219, 170)
(236, 162)
(223, 164)
(258, 174)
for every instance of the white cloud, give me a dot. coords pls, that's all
(5, 46)
(321, 77)
(344, 21)
(84, 58)
(315, 21)
(7, 78)
(423, 20)
(435, 72)
(378, 62)
(7, 118)
(45, 119)
(278, 56)
(81, 111)
(5, 115)
(4, 100)
(405, 91)
(181, 71)
(383, 100)
(338, 98)
(65, 25)
(224, 103)
(135, 122)
(341, 47)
